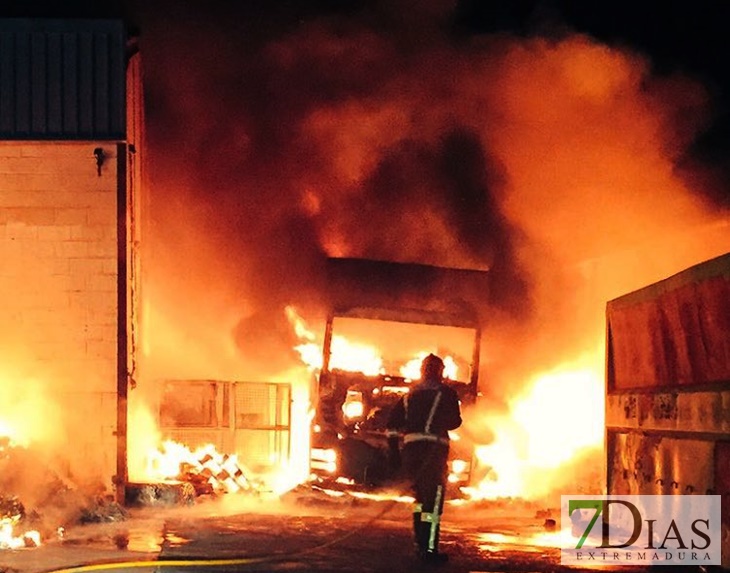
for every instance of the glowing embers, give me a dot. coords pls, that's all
(522, 542)
(8, 540)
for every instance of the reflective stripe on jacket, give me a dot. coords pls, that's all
(427, 413)
(409, 438)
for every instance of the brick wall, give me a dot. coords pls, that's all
(58, 301)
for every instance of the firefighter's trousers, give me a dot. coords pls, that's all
(425, 464)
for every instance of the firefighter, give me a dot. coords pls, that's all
(422, 420)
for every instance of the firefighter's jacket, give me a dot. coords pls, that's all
(426, 413)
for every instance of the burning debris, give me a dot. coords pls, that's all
(17, 527)
(103, 510)
(181, 475)
(13, 530)
(42, 508)
(213, 472)
(160, 494)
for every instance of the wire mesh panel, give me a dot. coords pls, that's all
(262, 413)
(196, 413)
(250, 419)
(189, 403)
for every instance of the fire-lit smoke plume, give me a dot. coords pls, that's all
(27, 413)
(33, 429)
(550, 159)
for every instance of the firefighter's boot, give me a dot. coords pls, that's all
(417, 531)
(431, 527)
(419, 539)
(429, 540)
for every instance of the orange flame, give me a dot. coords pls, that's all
(558, 417)
(10, 435)
(353, 356)
(412, 369)
(346, 355)
(8, 538)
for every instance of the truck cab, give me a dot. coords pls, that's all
(371, 357)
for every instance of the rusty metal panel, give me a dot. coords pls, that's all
(673, 333)
(722, 487)
(656, 464)
(62, 79)
(704, 412)
(668, 388)
(641, 463)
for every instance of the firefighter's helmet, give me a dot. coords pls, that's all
(432, 367)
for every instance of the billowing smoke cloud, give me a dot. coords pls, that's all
(551, 159)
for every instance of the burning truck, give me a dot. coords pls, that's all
(384, 318)
(222, 432)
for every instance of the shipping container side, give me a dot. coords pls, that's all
(668, 388)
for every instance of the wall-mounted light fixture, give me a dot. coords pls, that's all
(99, 154)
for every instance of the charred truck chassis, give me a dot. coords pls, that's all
(348, 442)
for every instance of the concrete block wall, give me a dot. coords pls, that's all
(58, 301)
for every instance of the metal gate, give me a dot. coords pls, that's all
(262, 424)
(249, 419)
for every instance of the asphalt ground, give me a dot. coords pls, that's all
(298, 534)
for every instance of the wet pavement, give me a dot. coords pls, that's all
(294, 534)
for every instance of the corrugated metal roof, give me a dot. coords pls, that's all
(62, 79)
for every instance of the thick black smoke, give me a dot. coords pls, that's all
(281, 137)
